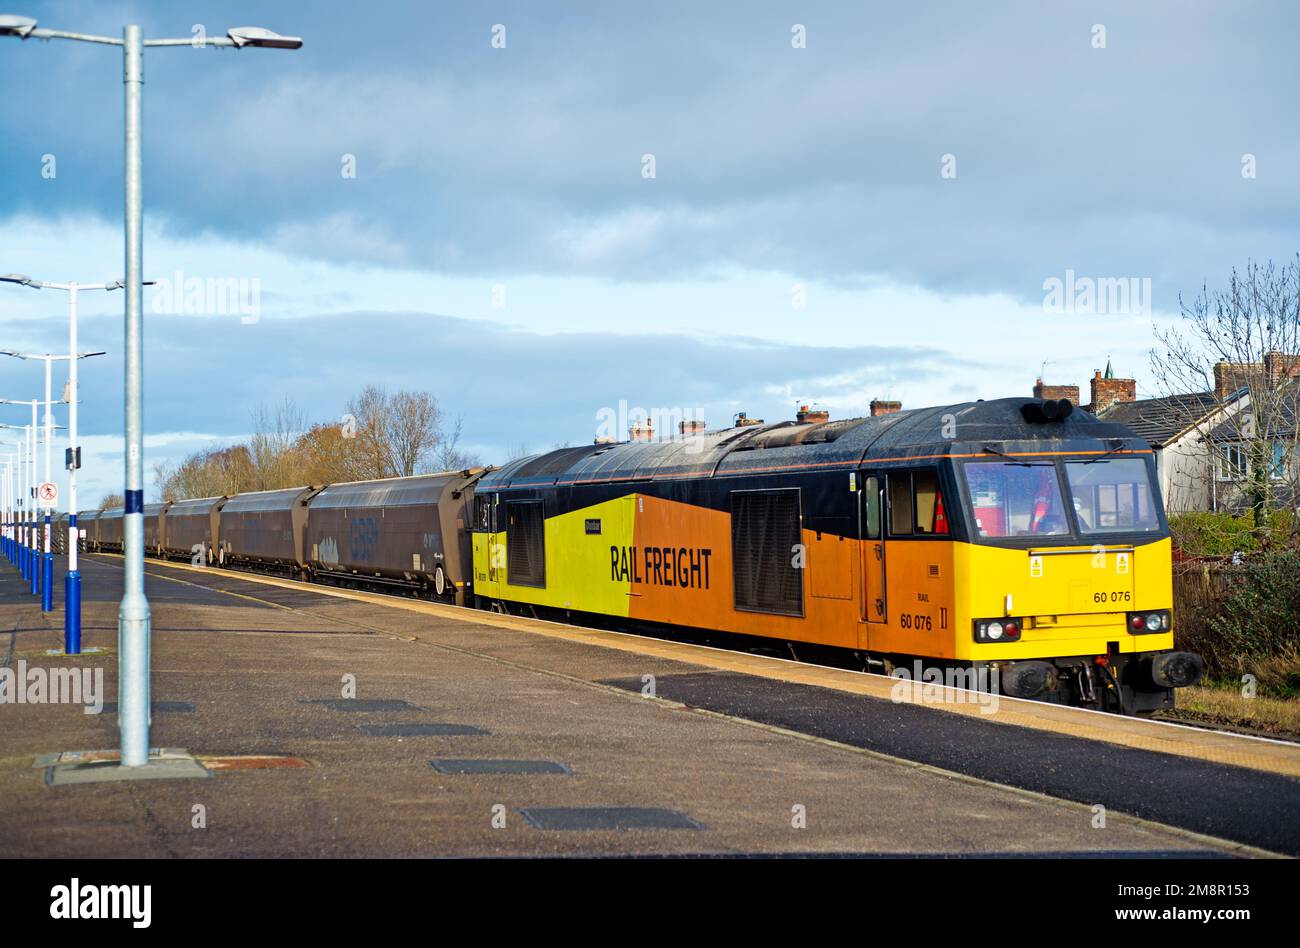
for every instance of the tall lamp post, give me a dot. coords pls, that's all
(32, 572)
(72, 588)
(133, 621)
(16, 490)
(35, 563)
(10, 459)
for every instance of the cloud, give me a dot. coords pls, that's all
(821, 161)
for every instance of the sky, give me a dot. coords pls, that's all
(540, 212)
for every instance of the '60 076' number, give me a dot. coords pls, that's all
(1112, 597)
(914, 621)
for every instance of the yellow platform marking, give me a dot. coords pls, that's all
(1263, 754)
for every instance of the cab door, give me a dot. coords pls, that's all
(875, 609)
(489, 564)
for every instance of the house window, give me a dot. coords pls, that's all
(1277, 463)
(1230, 463)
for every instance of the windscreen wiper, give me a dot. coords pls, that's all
(1111, 453)
(992, 450)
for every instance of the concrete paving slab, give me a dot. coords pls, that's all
(751, 786)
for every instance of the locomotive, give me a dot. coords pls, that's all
(1015, 537)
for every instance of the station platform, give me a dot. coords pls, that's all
(333, 723)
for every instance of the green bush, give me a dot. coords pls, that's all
(1203, 533)
(1259, 618)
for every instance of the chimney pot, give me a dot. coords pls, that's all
(641, 431)
(812, 416)
(883, 407)
(1110, 391)
(691, 426)
(1057, 392)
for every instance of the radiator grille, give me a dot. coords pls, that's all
(765, 533)
(525, 543)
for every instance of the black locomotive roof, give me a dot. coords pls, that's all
(946, 430)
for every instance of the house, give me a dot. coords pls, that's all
(1175, 426)
(1270, 446)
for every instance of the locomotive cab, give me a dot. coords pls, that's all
(1059, 556)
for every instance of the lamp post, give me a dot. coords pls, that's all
(16, 500)
(7, 501)
(72, 588)
(30, 571)
(133, 622)
(35, 562)
(72, 458)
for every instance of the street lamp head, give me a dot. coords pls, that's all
(18, 277)
(20, 26)
(258, 36)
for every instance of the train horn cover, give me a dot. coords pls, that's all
(1039, 412)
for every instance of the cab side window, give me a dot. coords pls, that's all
(931, 518)
(916, 504)
(483, 513)
(900, 504)
(871, 508)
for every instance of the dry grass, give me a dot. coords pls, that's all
(1226, 706)
(1279, 672)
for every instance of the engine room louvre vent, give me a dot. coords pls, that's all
(525, 543)
(765, 534)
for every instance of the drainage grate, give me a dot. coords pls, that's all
(158, 707)
(499, 767)
(365, 704)
(608, 818)
(421, 730)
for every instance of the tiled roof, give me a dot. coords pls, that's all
(1282, 426)
(1160, 420)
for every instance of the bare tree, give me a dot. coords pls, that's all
(1242, 344)
(271, 449)
(397, 434)
(109, 501)
(448, 456)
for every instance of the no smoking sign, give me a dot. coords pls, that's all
(48, 494)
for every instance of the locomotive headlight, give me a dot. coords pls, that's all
(1144, 623)
(997, 630)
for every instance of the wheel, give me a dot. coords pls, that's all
(439, 581)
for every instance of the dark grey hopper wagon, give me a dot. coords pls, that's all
(266, 530)
(153, 527)
(190, 526)
(108, 536)
(88, 526)
(408, 532)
